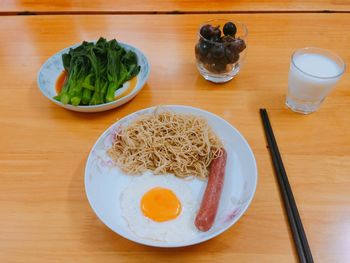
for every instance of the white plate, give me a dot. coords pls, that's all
(104, 182)
(53, 67)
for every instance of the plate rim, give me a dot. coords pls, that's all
(175, 244)
(103, 105)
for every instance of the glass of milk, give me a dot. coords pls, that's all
(313, 74)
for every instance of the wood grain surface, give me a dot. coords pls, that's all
(54, 6)
(45, 215)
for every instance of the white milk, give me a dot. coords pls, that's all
(311, 78)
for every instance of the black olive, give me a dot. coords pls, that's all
(216, 39)
(237, 46)
(230, 29)
(241, 44)
(204, 47)
(231, 55)
(201, 49)
(209, 58)
(207, 31)
(216, 34)
(218, 50)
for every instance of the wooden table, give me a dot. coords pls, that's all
(45, 216)
(166, 6)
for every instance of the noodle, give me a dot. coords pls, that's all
(166, 142)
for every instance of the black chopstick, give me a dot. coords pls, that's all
(295, 223)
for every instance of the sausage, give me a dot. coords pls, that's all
(211, 198)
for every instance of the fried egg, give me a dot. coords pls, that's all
(159, 208)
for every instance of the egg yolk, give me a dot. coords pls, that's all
(160, 204)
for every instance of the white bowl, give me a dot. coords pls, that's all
(53, 67)
(104, 183)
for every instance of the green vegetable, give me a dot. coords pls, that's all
(86, 97)
(95, 71)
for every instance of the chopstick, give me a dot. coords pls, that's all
(295, 223)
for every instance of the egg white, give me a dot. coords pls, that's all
(178, 229)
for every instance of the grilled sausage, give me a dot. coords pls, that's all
(211, 198)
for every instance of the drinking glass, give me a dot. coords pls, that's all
(219, 57)
(313, 73)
